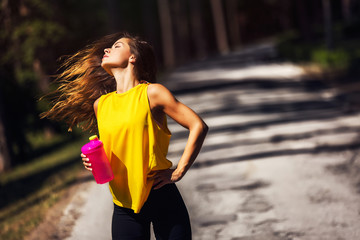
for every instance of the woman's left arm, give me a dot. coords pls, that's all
(162, 99)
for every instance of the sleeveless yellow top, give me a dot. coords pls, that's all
(134, 144)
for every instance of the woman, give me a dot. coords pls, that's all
(109, 85)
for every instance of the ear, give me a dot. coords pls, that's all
(132, 59)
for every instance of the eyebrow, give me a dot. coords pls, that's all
(118, 42)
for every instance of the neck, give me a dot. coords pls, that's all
(125, 79)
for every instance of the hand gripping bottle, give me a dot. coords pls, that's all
(100, 165)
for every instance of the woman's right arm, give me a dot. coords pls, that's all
(85, 160)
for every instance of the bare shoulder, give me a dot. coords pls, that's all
(96, 103)
(159, 95)
(157, 89)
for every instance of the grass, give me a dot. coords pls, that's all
(29, 190)
(342, 58)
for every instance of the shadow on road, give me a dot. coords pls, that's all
(278, 153)
(281, 107)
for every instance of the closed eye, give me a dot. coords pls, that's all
(117, 45)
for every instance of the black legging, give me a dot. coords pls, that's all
(166, 210)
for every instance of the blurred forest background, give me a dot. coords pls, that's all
(36, 155)
(34, 34)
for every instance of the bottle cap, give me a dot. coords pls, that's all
(93, 137)
(91, 146)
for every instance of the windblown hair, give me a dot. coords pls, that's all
(83, 80)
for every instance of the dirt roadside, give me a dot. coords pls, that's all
(52, 228)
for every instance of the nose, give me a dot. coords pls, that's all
(106, 50)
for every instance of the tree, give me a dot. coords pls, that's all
(166, 33)
(27, 32)
(220, 27)
(5, 160)
(150, 23)
(303, 18)
(197, 28)
(284, 14)
(233, 21)
(328, 24)
(112, 15)
(346, 9)
(182, 33)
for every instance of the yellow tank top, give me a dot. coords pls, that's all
(134, 143)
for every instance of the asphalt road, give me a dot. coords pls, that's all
(268, 168)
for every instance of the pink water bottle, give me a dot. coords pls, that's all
(100, 165)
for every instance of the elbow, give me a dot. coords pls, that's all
(199, 127)
(204, 128)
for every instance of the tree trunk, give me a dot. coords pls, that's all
(346, 9)
(166, 33)
(233, 22)
(328, 24)
(151, 29)
(285, 15)
(197, 29)
(303, 20)
(219, 23)
(43, 79)
(114, 18)
(181, 33)
(5, 159)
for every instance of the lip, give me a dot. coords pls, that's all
(105, 56)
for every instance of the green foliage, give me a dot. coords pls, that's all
(331, 59)
(33, 34)
(342, 58)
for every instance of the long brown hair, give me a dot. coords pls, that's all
(82, 80)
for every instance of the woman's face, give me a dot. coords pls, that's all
(118, 56)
